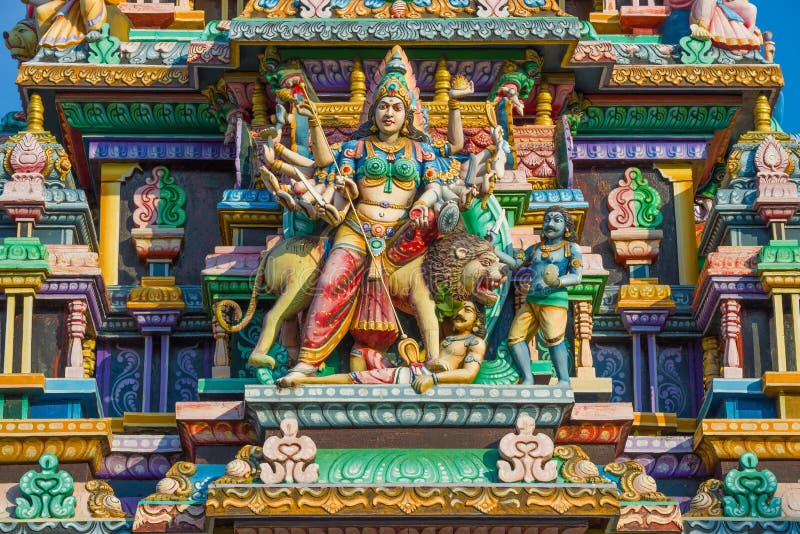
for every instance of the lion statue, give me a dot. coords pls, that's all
(458, 263)
(21, 40)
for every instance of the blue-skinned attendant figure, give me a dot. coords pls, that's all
(556, 263)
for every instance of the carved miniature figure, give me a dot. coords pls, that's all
(21, 40)
(65, 23)
(460, 357)
(556, 263)
(728, 23)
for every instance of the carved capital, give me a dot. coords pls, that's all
(636, 246)
(157, 243)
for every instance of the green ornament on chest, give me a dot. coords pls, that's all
(403, 170)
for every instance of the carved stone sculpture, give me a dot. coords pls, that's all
(526, 457)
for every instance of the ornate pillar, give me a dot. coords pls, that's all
(157, 306)
(76, 325)
(112, 175)
(582, 312)
(779, 268)
(644, 306)
(222, 360)
(681, 176)
(731, 310)
(24, 266)
(712, 363)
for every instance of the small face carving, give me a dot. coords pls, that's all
(390, 115)
(21, 41)
(554, 225)
(466, 318)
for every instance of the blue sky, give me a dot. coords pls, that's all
(777, 16)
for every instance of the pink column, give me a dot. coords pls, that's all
(582, 312)
(732, 338)
(76, 325)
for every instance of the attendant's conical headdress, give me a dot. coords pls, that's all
(395, 77)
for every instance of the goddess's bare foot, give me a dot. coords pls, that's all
(700, 33)
(291, 380)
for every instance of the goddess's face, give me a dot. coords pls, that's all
(390, 115)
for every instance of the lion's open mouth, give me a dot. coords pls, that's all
(485, 290)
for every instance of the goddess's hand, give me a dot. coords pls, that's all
(419, 216)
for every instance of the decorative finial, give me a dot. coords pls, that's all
(358, 86)
(395, 64)
(762, 114)
(259, 105)
(35, 114)
(441, 84)
(769, 48)
(544, 107)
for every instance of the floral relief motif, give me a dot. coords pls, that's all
(289, 458)
(526, 457)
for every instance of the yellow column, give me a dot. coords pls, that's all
(780, 340)
(111, 177)
(681, 176)
(795, 298)
(8, 349)
(27, 329)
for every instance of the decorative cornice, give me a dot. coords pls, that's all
(209, 53)
(247, 208)
(668, 77)
(728, 439)
(619, 149)
(141, 117)
(329, 32)
(650, 517)
(68, 526)
(76, 75)
(336, 406)
(507, 500)
(212, 433)
(72, 440)
(593, 52)
(136, 466)
(160, 150)
(779, 255)
(728, 273)
(656, 120)
(706, 525)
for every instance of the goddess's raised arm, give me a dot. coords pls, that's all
(455, 128)
(320, 149)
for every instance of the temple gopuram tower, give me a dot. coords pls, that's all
(398, 267)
